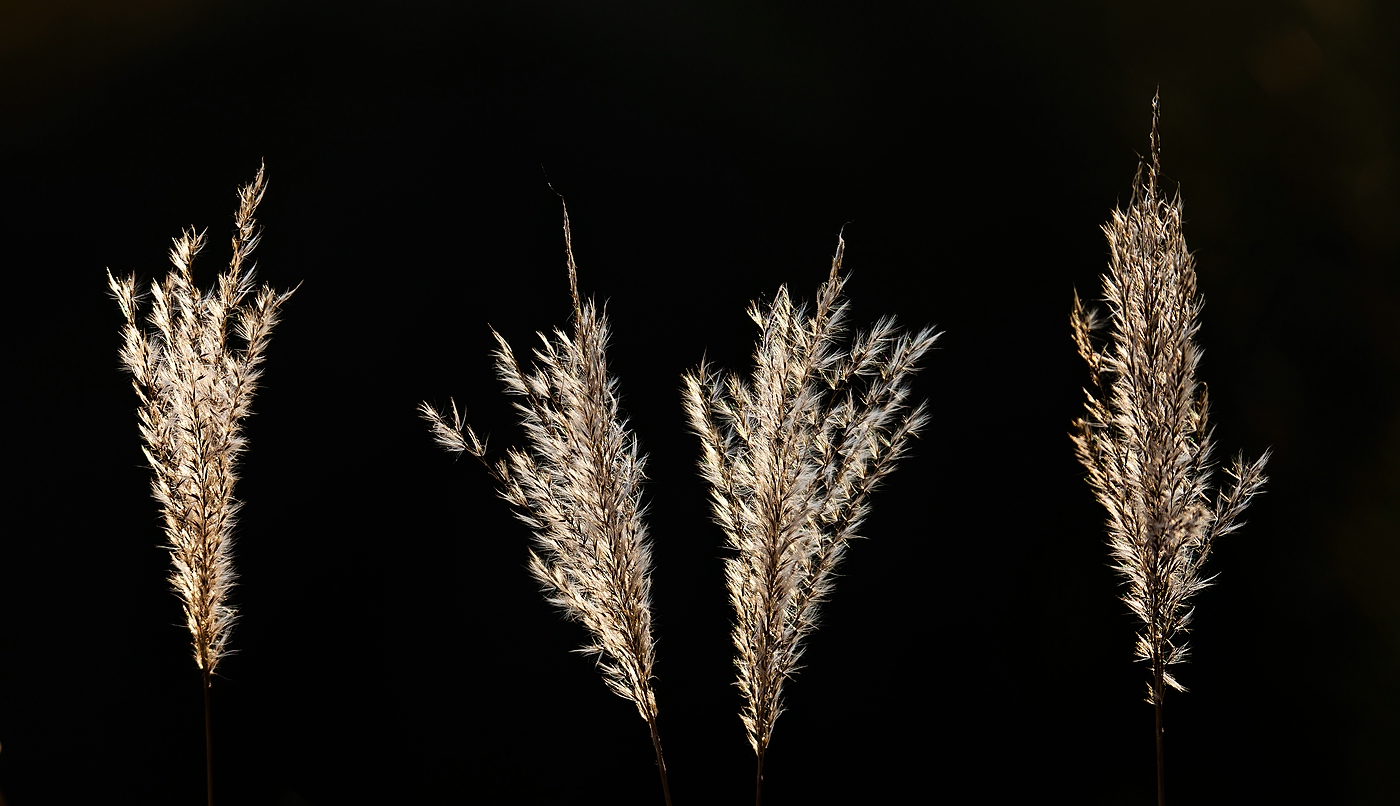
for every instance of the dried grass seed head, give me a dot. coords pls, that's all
(195, 389)
(577, 485)
(791, 455)
(1145, 439)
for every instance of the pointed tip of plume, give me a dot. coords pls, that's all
(1155, 139)
(569, 256)
(251, 194)
(124, 292)
(839, 256)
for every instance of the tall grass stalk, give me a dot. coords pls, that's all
(578, 486)
(195, 390)
(792, 455)
(1145, 439)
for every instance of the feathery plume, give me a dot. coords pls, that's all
(195, 389)
(791, 457)
(578, 487)
(1145, 439)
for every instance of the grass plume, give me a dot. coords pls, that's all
(195, 389)
(1145, 438)
(791, 456)
(578, 487)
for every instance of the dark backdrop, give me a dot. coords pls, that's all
(392, 647)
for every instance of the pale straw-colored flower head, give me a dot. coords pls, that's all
(195, 389)
(1145, 439)
(792, 455)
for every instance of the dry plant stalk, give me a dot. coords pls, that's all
(578, 487)
(791, 457)
(1145, 440)
(195, 390)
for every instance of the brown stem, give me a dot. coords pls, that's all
(660, 762)
(1157, 703)
(208, 744)
(758, 781)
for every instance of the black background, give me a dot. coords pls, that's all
(392, 647)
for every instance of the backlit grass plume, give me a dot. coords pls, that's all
(195, 390)
(1144, 439)
(791, 456)
(578, 486)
